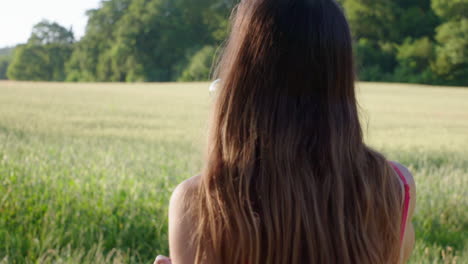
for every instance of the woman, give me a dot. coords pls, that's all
(288, 178)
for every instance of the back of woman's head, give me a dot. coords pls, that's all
(288, 178)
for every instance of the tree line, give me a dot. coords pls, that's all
(415, 41)
(5, 58)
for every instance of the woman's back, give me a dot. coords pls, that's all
(288, 178)
(183, 223)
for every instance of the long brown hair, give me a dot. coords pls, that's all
(288, 178)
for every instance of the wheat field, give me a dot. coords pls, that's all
(86, 170)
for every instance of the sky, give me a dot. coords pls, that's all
(17, 17)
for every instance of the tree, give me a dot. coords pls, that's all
(5, 59)
(89, 61)
(452, 52)
(201, 65)
(156, 38)
(372, 19)
(451, 9)
(374, 60)
(159, 40)
(451, 62)
(414, 59)
(30, 63)
(395, 38)
(4, 62)
(46, 32)
(43, 58)
(391, 20)
(147, 40)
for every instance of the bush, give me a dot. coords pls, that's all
(414, 59)
(4, 62)
(451, 63)
(33, 62)
(199, 68)
(375, 61)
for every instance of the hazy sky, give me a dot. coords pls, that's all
(17, 17)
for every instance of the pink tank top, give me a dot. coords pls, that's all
(405, 201)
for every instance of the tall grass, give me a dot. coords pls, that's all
(86, 170)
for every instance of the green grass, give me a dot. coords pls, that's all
(86, 170)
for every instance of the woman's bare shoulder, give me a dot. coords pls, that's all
(187, 189)
(182, 198)
(182, 222)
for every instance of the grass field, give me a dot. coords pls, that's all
(86, 170)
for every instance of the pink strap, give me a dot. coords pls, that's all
(406, 201)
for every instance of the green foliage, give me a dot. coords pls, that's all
(370, 19)
(200, 66)
(39, 62)
(5, 59)
(416, 21)
(406, 40)
(390, 21)
(452, 52)
(420, 41)
(46, 32)
(375, 60)
(421, 50)
(89, 61)
(146, 40)
(3, 67)
(29, 63)
(414, 57)
(44, 57)
(451, 9)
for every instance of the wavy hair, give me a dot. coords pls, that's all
(287, 177)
